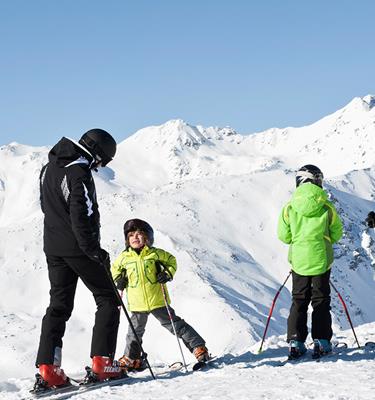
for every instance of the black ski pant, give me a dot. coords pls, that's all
(314, 289)
(63, 275)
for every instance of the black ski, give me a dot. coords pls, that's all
(338, 348)
(54, 392)
(293, 359)
(370, 346)
(60, 393)
(203, 364)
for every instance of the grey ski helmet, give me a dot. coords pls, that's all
(138, 225)
(309, 173)
(100, 144)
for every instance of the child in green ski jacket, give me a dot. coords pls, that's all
(310, 224)
(144, 271)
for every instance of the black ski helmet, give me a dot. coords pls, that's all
(138, 225)
(309, 173)
(100, 144)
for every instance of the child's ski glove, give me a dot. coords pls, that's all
(122, 282)
(370, 220)
(163, 277)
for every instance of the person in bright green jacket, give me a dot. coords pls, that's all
(310, 225)
(144, 271)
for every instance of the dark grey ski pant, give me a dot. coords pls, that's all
(184, 331)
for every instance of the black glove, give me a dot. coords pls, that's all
(122, 282)
(163, 277)
(370, 220)
(101, 257)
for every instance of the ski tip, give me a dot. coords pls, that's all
(176, 365)
(342, 345)
(199, 365)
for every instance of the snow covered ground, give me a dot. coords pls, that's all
(347, 376)
(213, 197)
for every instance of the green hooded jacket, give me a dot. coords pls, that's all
(143, 291)
(310, 224)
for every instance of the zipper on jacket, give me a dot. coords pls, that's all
(142, 274)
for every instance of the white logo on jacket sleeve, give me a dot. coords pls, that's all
(43, 176)
(88, 201)
(65, 189)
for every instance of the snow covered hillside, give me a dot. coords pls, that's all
(213, 197)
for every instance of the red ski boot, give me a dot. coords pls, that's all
(51, 376)
(104, 368)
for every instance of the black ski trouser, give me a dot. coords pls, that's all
(314, 289)
(63, 274)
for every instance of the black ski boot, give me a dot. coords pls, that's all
(296, 349)
(321, 348)
(40, 385)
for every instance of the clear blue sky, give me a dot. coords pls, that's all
(121, 65)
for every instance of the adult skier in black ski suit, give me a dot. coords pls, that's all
(72, 248)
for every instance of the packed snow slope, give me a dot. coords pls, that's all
(213, 197)
(347, 376)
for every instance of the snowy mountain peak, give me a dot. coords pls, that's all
(175, 133)
(11, 148)
(177, 124)
(17, 149)
(365, 103)
(369, 100)
(182, 133)
(177, 150)
(178, 135)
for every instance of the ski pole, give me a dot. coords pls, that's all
(271, 311)
(172, 323)
(121, 303)
(346, 311)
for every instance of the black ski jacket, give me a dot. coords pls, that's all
(68, 201)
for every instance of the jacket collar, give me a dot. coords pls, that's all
(144, 250)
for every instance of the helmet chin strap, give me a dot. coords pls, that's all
(95, 166)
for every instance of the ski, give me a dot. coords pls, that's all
(370, 346)
(176, 366)
(54, 392)
(159, 370)
(60, 393)
(338, 348)
(203, 364)
(293, 360)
